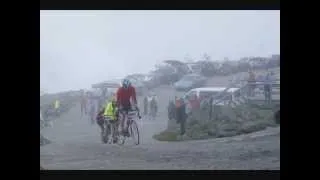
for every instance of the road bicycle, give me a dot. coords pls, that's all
(132, 125)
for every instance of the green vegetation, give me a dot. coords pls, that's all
(167, 136)
(225, 122)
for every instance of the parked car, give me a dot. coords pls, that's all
(189, 81)
(220, 95)
(204, 93)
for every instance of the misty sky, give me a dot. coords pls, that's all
(78, 48)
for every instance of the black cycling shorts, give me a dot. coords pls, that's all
(125, 109)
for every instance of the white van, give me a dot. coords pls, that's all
(219, 98)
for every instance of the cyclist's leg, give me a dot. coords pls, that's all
(121, 119)
(124, 116)
(127, 120)
(117, 121)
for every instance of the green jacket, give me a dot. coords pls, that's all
(110, 111)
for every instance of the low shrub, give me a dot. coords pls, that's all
(226, 122)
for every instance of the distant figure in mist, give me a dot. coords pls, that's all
(56, 106)
(251, 83)
(83, 103)
(269, 80)
(153, 107)
(171, 110)
(145, 105)
(92, 107)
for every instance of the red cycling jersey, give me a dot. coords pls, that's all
(124, 95)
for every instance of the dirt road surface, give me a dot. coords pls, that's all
(76, 145)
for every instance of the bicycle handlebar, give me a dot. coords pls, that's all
(136, 109)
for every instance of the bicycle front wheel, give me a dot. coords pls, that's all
(134, 132)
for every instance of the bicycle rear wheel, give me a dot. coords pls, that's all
(105, 136)
(120, 138)
(134, 132)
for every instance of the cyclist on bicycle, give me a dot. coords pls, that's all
(124, 94)
(110, 111)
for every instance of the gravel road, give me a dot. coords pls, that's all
(76, 145)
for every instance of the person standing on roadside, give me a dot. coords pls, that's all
(153, 107)
(181, 115)
(269, 79)
(251, 83)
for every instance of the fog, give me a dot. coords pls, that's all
(78, 48)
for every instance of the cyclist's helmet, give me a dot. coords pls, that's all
(125, 83)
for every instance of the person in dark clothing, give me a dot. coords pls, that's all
(171, 110)
(145, 105)
(181, 115)
(268, 87)
(153, 107)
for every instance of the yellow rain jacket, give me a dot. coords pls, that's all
(110, 111)
(56, 104)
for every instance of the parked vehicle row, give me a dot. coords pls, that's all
(220, 96)
(187, 75)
